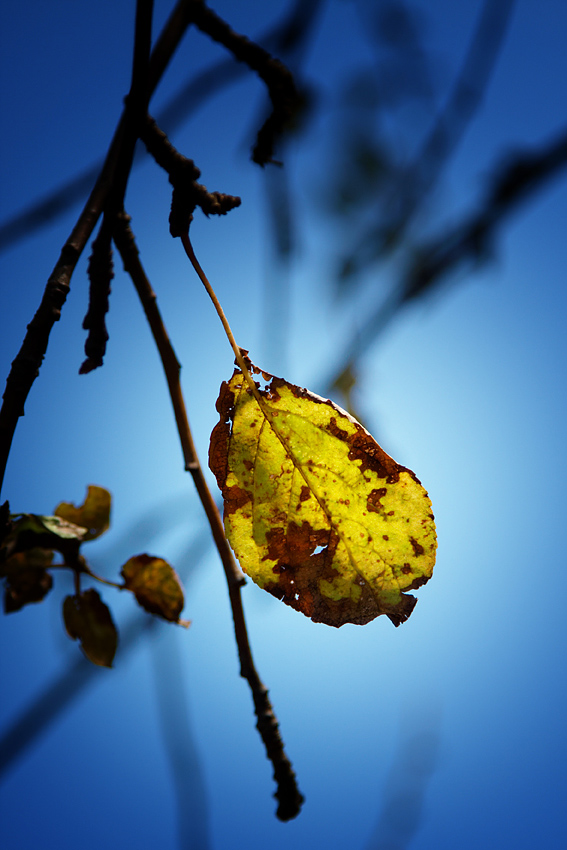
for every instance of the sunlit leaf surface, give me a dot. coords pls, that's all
(316, 512)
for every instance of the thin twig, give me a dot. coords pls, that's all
(287, 793)
(100, 266)
(284, 97)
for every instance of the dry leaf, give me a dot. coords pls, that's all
(156, 586)
(93, 514)
(88, 620)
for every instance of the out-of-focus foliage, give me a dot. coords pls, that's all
(88, 620)
(27, 556)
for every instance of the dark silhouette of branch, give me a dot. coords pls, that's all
(283, 39)
(287, 793)
(468, 243)
(26, 366)
(100, 265)
(183, 175)
(279, 81)
(109, 189)
(100, 272)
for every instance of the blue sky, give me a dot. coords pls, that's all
(447, 732)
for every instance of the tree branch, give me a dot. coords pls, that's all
(279, 81)
(415, 181)
(283, 38)
(26, 366)
(287, 793)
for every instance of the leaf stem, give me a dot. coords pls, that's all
(242, 365)
(233, 344)
(84, 569)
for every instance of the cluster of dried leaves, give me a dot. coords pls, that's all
(34, 545)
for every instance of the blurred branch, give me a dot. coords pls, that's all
(412, 184)
(470, 242)
(180, 744)
(406, 786)
(467, 94)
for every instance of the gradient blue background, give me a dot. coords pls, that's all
(446, 733)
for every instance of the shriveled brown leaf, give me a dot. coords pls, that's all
(156, 586)
(88, 620)
(26, 578)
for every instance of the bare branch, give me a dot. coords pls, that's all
(26, 366)
(281, 87)
(287, 793)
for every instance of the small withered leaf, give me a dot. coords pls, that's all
(156, 586)
(93, 514)
(316, 512)
(26, 578)
(88, 620)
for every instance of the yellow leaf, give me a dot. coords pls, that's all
(93, 514)
(316, 512)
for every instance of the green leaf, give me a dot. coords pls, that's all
(88, 620)
(26, 578)
(316, 512)
(156, 586)
(93, 514)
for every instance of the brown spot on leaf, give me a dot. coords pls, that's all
(373, 500)
(417, 547)
(304, 494)
(334, 429)
(364, 448)
(220, 436)
(235, 498)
